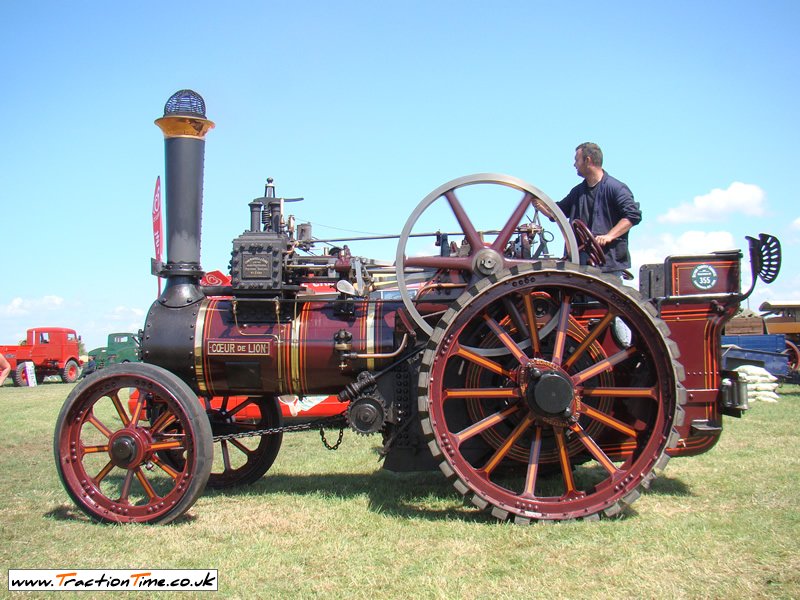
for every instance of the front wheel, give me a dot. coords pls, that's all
(107, 454)
(70, 372)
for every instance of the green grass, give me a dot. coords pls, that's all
(333, 524)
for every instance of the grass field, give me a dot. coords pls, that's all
(333, 524)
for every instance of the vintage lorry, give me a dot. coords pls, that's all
(50, 350)
(121, 347)
(543, 389)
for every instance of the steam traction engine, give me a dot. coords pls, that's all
(542, 389)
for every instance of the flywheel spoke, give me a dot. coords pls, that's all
(499, 244)
(463, 263)
(469, 230)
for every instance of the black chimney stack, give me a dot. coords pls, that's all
(185, 126)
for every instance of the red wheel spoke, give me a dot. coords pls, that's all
(533, 464)
(163, 421)
(481, 361)
(148, 489)
(103, 472)
(533, 330)
(603, 365)
(126, 487)
(620, 392)
(484, 424)
(506, 339)
(499, 245)
(244, 449)
(165, 467)
(226, 458)
(123, 414)
(589, 340)
(608, 420)
(167, 445)
(463, 263)
(502, 451)
(561, 330)
(563, 459)
(594, 449)
(137, 411)
(247, 402)
(95, 449)
(99, 425)
(470, 233)
(481, 393)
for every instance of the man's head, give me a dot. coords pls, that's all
(588, 159)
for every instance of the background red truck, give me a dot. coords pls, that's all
(51, 350)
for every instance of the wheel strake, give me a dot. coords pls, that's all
(562, 425)
(107, 456)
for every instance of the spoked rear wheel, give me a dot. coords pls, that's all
(550, 393)
(242, 460)
(107, 454)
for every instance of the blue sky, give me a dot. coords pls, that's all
(363, 108)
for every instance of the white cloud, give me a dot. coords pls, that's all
(739, 199)
(689, 242)
(796, 224)
(19, 307)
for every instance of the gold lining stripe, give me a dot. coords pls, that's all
(370, 333)
(294, 357)
(199, 336)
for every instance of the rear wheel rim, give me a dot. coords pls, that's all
(566, 403)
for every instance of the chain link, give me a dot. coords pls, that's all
(332, 422)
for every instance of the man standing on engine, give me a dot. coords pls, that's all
(605, 205)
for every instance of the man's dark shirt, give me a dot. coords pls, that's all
(613, 200)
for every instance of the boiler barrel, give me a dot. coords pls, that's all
(292, 357)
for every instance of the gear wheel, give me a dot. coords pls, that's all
(367, 414)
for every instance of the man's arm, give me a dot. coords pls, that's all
(622, 226)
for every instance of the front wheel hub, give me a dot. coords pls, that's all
(126, 450)
(549, 393)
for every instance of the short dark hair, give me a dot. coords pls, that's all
(593, 151)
